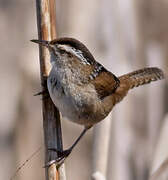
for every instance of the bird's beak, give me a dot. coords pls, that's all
(41, 42)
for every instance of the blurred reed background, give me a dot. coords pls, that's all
(123, 35)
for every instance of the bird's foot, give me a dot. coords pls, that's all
(62, 155)
(44, 93)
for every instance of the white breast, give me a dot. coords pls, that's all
(70, 98)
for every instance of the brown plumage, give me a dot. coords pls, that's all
(142, 76)
(105, 84)
(135, 79)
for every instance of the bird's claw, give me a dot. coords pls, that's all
(61, 158)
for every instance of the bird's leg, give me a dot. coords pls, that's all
(65, 153)
(45, 91)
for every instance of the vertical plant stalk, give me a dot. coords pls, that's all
(46, 24)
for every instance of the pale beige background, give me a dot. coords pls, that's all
(124, 35)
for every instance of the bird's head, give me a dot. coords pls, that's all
(62, 48)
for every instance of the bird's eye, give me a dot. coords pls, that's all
(61, 51)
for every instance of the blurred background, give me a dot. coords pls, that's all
(123, 35)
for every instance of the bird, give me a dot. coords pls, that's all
(83, 90)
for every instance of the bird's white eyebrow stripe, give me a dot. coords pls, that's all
(75, 52)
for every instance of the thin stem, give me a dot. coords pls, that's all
(46, 23)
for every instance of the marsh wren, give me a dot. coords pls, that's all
(82, 89)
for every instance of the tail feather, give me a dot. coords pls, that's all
(135, 79)
(142, 76)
